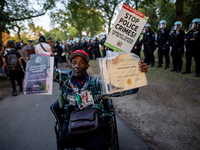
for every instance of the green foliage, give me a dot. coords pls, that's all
(159, 10)
(81, 15)
(191, 11)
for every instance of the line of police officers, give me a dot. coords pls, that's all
(176, 39)
(165, 39)
(89, 46)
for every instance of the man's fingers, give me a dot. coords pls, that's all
(141, 62)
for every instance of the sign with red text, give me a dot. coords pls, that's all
(126, 29)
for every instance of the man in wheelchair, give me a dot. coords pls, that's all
(85, 111)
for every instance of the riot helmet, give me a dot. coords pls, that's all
(177, 25)
(95, 37)
(162, 24)
(195, 23)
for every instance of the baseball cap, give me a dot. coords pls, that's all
(80, 53)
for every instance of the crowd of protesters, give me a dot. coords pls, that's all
(14, 55)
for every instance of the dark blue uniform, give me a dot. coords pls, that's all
(193, 50)
(90, 50)
(95, 48)
(177, 43)
(79, 46)
(149, 44)
(138, 49)
(163, 46)
(103, 47)
(85, 44)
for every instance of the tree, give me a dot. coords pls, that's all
(179, 11)
(34, 30)
(191, 11)
(6, 37)
(109, 7)
(13, 11)
(78, 14)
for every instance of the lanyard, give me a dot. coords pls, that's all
(76, 91)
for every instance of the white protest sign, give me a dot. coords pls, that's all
(126, 29)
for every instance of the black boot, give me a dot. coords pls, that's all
(173, 70)
(185, 72)
(14, 93)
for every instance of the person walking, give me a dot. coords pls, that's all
(12, 61)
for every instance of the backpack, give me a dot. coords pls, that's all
(12, 61)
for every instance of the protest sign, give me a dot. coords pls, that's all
(120, 72)
(39, 75)
(126, 29)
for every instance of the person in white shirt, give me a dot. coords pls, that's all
(43, 47)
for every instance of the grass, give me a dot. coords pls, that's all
(166, 75)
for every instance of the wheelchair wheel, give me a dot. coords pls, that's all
(114, 143)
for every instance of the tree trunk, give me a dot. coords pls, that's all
(80, 33)
(179, 12)
(136, 5)
(109, 24)
(18, 33)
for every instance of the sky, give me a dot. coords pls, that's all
(43, 21)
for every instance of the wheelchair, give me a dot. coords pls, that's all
(111, 120)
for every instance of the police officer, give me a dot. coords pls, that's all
(177, 43)
(163, 44)
(90, 48)
(74, 45)
(95, 47)
(102, 44)
(78, 45)
(192, 47)
(149, 43)
(85, 44)
(137, 47)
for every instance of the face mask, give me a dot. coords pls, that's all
(160, 26)
(193, 26)
(174, 27)
(144, 30)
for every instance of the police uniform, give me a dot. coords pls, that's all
(103, 47)
(90, 50)
(192, 50)
(95, 47)
(78, 46)
(177, 43)
(163, 46)
(85, 44)
(148, 41)
(138, 49)
(73, 47)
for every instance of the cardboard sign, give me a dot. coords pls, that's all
(126, 29)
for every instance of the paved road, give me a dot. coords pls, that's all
(26, 123)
